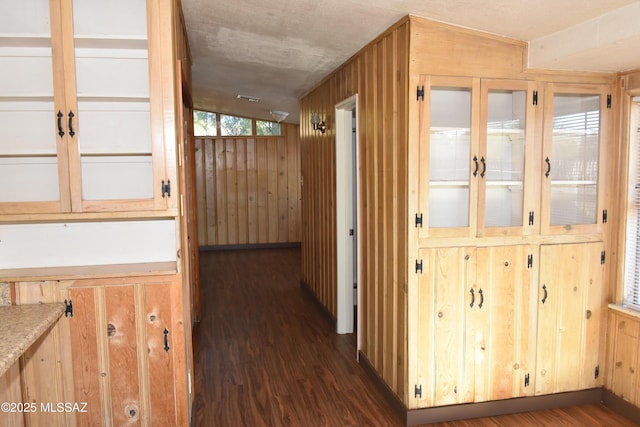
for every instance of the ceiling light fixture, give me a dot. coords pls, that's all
(248, 98)
(317, 124)
(279, 116)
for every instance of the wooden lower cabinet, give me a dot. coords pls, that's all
(121, 357)
(508, 321)
(479, 303)
(570, 317)
(122, 341)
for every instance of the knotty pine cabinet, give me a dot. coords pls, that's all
(510, 238)
(495, 160)
(482, 345)
(116, 356)
(81, 106)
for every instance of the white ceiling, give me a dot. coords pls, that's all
(279, 49)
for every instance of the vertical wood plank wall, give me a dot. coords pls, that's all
(378, 74)
(248, 189)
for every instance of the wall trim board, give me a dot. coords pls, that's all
(497, 407)
(327, 314)
(620, 406)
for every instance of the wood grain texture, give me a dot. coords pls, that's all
(378, 74)
(248, 188)
(266, 355)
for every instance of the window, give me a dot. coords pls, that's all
(632, 251)
(234, 126)
(267, 128)
(204, 123)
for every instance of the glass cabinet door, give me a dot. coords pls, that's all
(453, 167)
(574, 119)
(507, 118)
(32, 147)
(112, 94)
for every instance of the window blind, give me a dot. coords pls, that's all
(632, 252)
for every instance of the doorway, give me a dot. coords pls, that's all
(347, 240)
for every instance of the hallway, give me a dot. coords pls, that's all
(266, 355)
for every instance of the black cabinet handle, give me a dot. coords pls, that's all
(473, 297)
(166, 339)
(60, 130)
(484, 167)
(544, 298)
(71, 131)
(548, 172)
(475, 160)
(481, 298)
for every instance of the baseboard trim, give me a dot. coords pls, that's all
(250, 246)
(327, 314)
(412, 417)
(620, 406)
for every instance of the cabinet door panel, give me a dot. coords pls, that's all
(575, 138)
(569, 319)
(504, 328)
(451, 276)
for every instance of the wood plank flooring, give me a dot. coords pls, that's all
(266, 355)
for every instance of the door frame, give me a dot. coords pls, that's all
(347, 211)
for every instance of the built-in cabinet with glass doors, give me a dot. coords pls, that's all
(79, 108)
(511, 256)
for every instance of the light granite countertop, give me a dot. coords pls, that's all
(21, 326)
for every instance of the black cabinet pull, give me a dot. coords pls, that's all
(544, 298)
(481, 298)
(166, 339)
(484, 167)
(71, 131)
(475, 160)
(60, 130)
(548, 172)
(473, 297)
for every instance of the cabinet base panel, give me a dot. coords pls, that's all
(440, 414)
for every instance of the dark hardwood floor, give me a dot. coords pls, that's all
(266, 355)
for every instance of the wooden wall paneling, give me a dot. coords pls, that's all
(624, 363)
(293, 182)
(122, 342)
(211, 180)
(272, 190)
(283, 205)
(263, 189)
(84, 345)
(220, 199)
(46, 366)
(242, 204)
(158, 317)
(231, 176)
(11, 391)
(199, 188)
(252, 192)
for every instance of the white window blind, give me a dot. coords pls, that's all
(632, 252)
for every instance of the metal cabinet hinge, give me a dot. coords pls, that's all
(418, 220)
(68, 308)
(420, 93)
(526, 380)
(535, 97)
(166, 188)
(531, 217)
(603, 257)
(417, 391)
(605, 216)
(609, 101)
(530, 261)
(596, 373)
(418, 266)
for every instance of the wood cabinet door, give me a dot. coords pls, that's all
(502, 323)
(570, 309)
(451, 274)
(122, 343)
(574, 158)
(448, 157)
